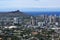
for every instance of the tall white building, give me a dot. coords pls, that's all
(32, 21)
(16, 20)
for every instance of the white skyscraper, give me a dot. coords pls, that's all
(32, 21)
(16, 20)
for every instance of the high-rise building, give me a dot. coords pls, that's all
(32, 20)
(16, 20)
(52, 19)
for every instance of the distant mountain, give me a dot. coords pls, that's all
(13, 14)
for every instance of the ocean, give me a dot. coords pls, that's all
(43, 13)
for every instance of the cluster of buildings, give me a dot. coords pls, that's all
(18, 21)
(45, 21)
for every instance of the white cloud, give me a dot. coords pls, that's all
(29, 4)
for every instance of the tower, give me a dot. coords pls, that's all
(32, 21)
(16, 20)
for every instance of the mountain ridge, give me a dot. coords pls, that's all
(13, 14)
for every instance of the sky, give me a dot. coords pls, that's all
(30, 5)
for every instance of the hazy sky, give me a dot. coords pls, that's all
(23, 4)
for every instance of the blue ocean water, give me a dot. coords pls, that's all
(43, 13)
